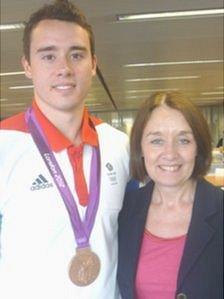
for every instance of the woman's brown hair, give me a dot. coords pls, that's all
(193, 116)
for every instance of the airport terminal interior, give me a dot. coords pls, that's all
(142, 46)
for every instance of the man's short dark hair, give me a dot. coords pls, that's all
(61, 10)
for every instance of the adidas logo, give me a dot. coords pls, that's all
(40, 183)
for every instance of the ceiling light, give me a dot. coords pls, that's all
(172, 63)
(212, 92)
(21, 87)
(12, 74)
(162, 78)
(14, 26)
(169, 15)
(93, 104)
(135, 97)
(207, 99)
(13, 104)
(151, 90)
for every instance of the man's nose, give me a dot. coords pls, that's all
(64, 67)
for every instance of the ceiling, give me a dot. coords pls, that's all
(121, 43)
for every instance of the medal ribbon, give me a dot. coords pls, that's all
(81, 229)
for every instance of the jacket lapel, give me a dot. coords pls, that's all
(199, 233)
(137, 221)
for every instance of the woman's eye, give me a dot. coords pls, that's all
(184, 141)
(157, 141)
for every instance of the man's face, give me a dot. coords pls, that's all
(61, 66)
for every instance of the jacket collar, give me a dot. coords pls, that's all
(137, 216)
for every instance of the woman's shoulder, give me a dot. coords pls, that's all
(135, 188)
(211, 194)
(210, 188)
(137, 195)
(136, 202)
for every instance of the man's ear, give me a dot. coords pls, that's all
(94, 65)
(26, 67)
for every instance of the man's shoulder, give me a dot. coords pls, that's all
(114, 145)
(15, 122)
(109, 131)
(13, 135)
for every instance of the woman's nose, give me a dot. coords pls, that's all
(170, 150)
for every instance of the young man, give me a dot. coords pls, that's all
(62, 176)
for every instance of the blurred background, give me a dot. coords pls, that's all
(179, 46)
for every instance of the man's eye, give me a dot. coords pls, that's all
(77, 56)
(48, 57)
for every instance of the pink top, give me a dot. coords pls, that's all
(158, 266)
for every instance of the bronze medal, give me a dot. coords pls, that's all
(84, 267)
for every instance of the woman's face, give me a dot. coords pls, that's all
(168, 147)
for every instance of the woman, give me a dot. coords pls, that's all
(171, 230)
